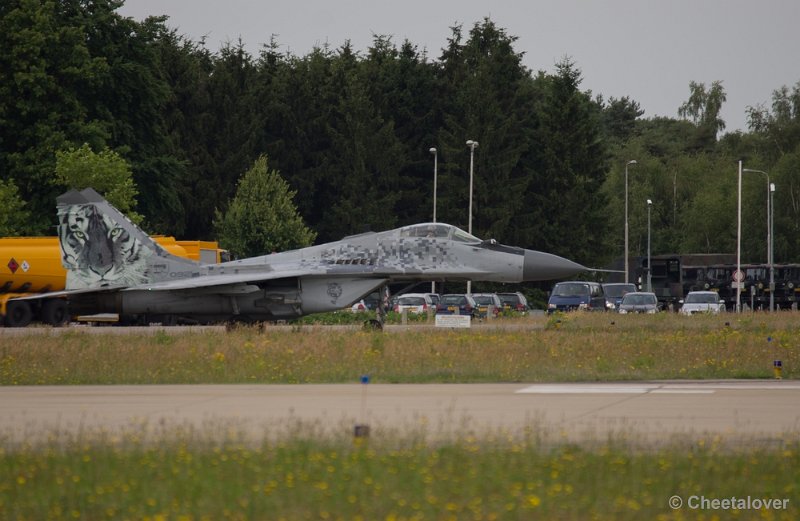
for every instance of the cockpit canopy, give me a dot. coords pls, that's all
(438, 230)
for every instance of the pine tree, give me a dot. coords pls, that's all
(261, 218)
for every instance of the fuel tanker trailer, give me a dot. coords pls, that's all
(31, 265)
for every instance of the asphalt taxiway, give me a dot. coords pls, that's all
(646, 411)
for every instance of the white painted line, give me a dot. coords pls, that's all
(683, 391)
(585, 389)
(751, 387)
(667, 388)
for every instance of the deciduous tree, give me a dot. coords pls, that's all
(13, 213)
(104, 171)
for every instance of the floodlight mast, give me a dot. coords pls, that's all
(649, 268)
(627, 269)
(435, 175)
(472, 146)
(770, 189)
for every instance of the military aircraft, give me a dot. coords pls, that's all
(115, 267)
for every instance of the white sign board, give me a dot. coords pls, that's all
(453, 320)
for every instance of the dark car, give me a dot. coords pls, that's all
(456, 304)
(639, 302)
(615, 291)
(484, 301)
(514, 302)
(577, 295)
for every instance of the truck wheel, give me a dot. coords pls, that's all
(55, 312)
(18, 314)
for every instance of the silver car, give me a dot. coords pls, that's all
(414, 303)
(702, 302)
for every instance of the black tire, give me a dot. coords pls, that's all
(18, 313)
(373, 325)
(55, 312)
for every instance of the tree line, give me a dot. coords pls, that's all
(350, 133)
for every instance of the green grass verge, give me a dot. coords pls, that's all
(182, 478)
(579, 347)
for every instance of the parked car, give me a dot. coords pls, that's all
(372, 300)
(359, 307)
(414, 303)
(615, 291)
(456, 303)
(434, 298)
(702, 302)
(514, 302)
(367, 303)
(484, 301)
(639, 302)
(577, 295)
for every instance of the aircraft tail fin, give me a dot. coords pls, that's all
(102, 247)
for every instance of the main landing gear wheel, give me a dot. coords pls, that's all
(376, 324)
(373, 325)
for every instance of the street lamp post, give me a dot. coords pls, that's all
(738, 276)
(472, 146)
(770, 189)
(649, 270)
(631, 162)
(772, 247)
(435, 176)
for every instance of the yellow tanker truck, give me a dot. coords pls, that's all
(33, 265)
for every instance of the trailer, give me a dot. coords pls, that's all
(673, 276)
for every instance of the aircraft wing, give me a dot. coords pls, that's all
(69, 292)
(230, 280)
(239, 283)
(227, 284)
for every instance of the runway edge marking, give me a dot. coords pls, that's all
(608, 389)
(665, 388)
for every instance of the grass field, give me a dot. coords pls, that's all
(191, 475)
(584, 347)
(186, 477)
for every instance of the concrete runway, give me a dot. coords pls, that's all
(650, 412)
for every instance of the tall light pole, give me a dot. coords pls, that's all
(472, 146)
(772, 247)
(435, 175)
(769, 233)
(631, 162)
(738, 276)
(649, 270)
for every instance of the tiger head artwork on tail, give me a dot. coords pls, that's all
(97, 251)
(102, 247)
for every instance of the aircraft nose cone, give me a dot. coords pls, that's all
(546, 266)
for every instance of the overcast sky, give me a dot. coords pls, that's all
(648, 50)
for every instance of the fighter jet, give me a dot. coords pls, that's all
(115, 267)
